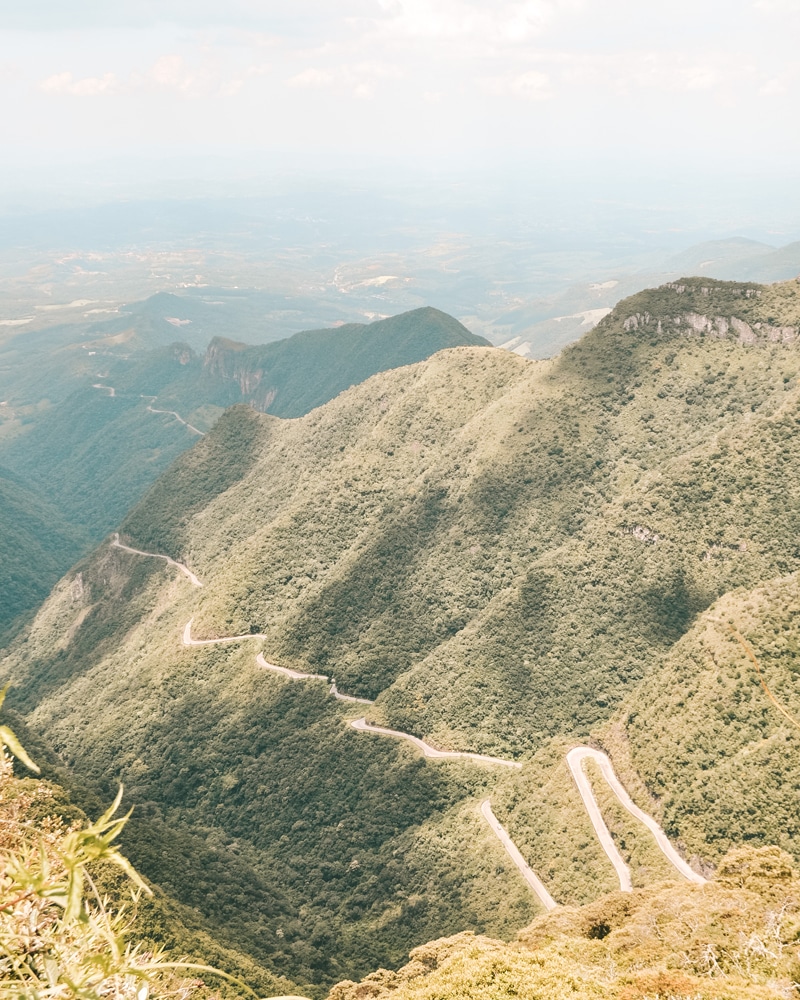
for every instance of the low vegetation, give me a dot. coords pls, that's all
(733, 939)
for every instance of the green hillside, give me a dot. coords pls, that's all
(509, 555)
(40, 805)
(725, 940)
(292, 376)
(716, 752)
(36, 543)
(93, 453)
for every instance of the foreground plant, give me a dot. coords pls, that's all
(59, 936)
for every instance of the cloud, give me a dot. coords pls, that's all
(500, 22)
(88, 86)
(169, 72)
(528, 86)
(311, 77)
(360, 78)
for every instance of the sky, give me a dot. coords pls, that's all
(639, 89)
(711, 80)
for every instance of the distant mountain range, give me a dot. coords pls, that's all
(508, 557)
(91, 424)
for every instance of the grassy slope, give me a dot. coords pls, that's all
(505, 548)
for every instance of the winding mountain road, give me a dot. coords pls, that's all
(294, 675)
(348, 697)
(297, 675)
(428, 751)
(575, 760)
(172, 413)
(117, 544)
(189, 641)
(527, 872)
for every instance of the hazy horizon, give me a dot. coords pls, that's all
(501, 163)
(145, 99)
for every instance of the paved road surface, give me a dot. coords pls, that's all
(575, 759)
(364, 727)
(528, 873)
(154, 555)
(171, 413)
(348, 697)
(189, 641)
(294, 675)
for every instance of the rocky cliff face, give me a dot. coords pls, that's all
(235, 362)
(722, 311)
(720, 327)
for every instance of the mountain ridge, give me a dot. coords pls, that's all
(117, 418)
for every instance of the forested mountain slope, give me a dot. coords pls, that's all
(481, 511)
(89, 426)
(292, 376)
(713, 737)
(500, 552)
(120, 416)
(35, 545)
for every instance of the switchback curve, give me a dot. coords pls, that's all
(189, 641)
(575, 758)
(116, 543)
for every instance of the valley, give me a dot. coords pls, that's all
(90, 449)
(530, 564)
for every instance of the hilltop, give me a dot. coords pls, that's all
(292, 376)
(510, 557)
(723, 941)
